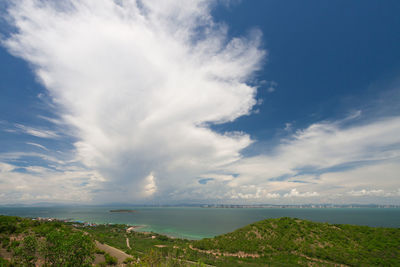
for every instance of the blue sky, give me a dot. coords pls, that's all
(230, 102)
(323, 55)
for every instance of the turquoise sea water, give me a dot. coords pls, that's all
(197, 223)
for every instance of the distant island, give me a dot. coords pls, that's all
(123, 210)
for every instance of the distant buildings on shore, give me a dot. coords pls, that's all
(75, 223)
(304, 206)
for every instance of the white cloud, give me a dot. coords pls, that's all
(42, 133)
(331, 158)
(39, 183)
(5, 168)
(37, 145)
(49, 157)
(322, 146)
(139, 83)
(138, 86)
(251, 192)
(270, 85)
(288, 127)
(150, 186)
(295, 193)
(364, 192)
(51, 120)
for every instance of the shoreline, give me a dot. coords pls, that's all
(198, 223)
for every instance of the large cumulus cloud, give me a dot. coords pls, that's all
(138, 83)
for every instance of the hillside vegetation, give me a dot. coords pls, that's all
(30, 242)
(272, 242)
(341, 244)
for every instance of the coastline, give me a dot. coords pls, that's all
(195, 223)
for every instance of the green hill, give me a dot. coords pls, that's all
(272, 242)
(27, 242)
(295, 241)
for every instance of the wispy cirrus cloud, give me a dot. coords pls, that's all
(37, 145)
(37, 132)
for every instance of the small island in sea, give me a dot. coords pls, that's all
(123, 210)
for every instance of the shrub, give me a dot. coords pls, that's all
(99, 251)
(129, 260)
(110, 260)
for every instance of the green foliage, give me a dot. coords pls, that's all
(68, 248)
(274, 242)
(110, 260)
(25, 252)
(99, 251)
(4, 262)
(341, 244)
(162, 238)
(54, 242)
(8, 224)
(129, 260)
(5, 241)
(113, 235)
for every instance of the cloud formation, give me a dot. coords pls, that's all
(327, 159)
(138, 83)
(35, 184)
(42, 133)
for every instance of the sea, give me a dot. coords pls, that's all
(197, 222)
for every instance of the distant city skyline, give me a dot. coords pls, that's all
(165, 102)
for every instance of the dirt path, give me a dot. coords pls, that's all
(240, 254)
(119, 254)
(127, 243)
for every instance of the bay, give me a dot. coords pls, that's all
(197, 223)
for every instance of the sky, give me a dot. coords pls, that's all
(168, 102)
